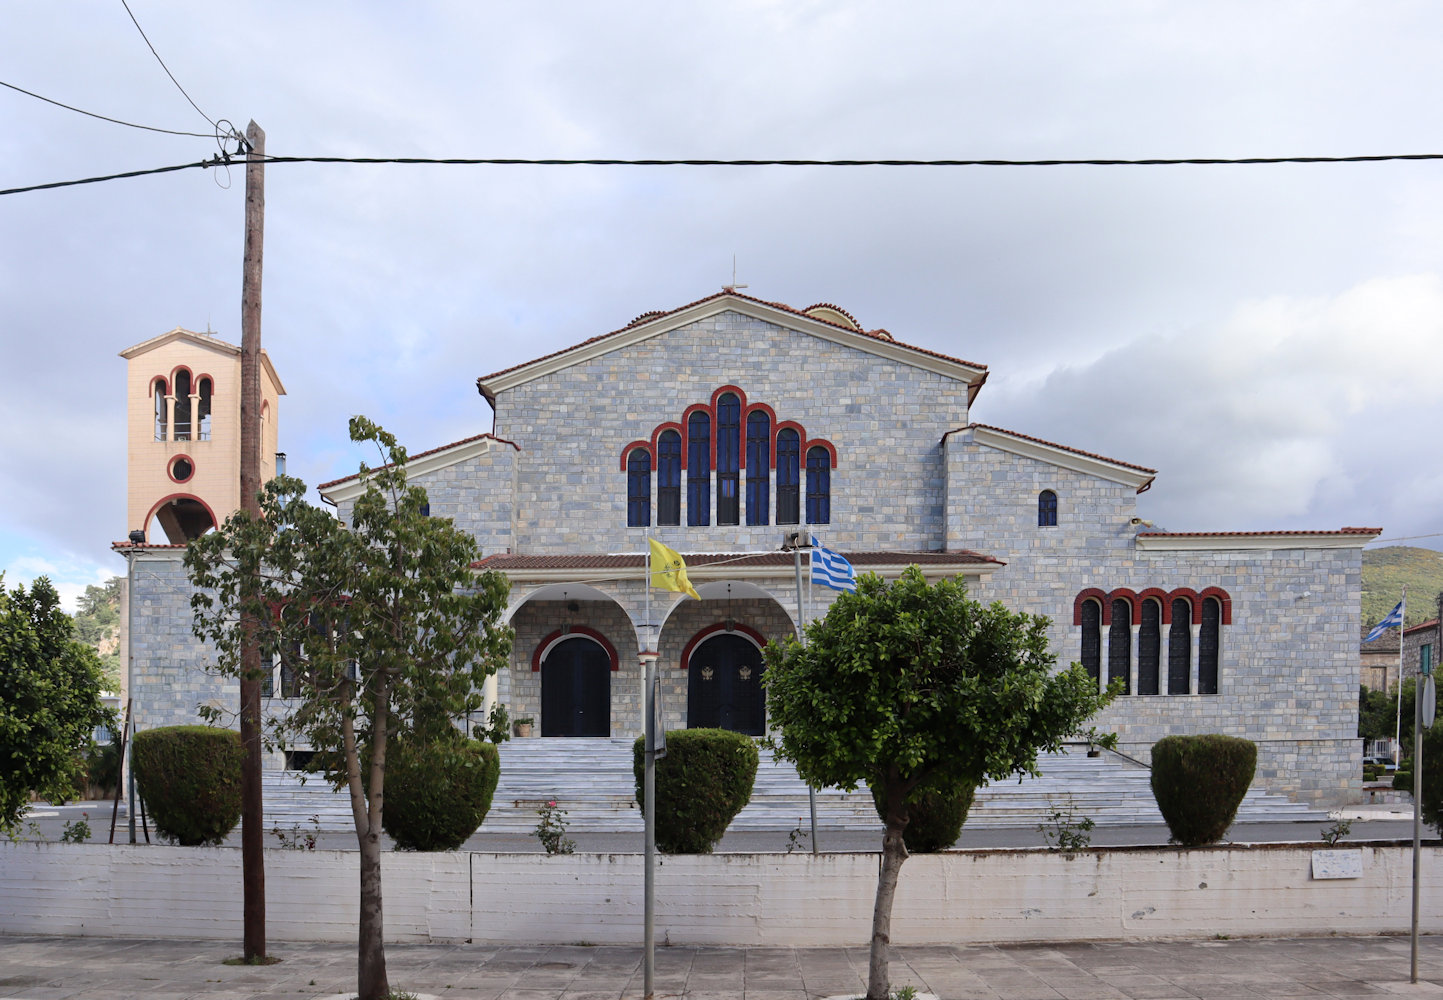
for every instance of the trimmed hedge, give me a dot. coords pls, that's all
(934, 819)
(1403, 780)
(1432, 804)
(190, 778)
(704, 780)
(437, 794)
(1199, 782)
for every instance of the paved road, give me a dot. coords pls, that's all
(1286, 969)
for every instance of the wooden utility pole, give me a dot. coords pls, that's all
(253, 872)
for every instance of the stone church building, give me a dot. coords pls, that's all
(724, 426)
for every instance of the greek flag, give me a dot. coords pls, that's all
(831, 569)
(1395, 617)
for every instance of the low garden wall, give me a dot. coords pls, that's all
(975, 896)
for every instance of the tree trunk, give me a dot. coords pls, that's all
(371, 980)
(894, 852)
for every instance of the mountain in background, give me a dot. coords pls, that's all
(97, 624)
(1387, 570)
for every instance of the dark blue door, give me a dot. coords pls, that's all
(724, 686)
(576, 690)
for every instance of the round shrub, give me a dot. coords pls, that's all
(438, 793)
(704, 780)
(190, 778)
(1403, 780)
(935, 818)
(1199, 782)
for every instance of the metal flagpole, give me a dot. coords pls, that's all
(648, 662)
(802, 638)
(1398, 724)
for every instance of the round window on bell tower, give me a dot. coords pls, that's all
(181, 469)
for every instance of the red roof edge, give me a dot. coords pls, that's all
(422, 454)
(1051, 444)
(1255, 534)
(648, 317)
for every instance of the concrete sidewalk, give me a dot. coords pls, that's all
(109, 969)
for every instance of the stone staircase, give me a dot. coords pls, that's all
(592, 780)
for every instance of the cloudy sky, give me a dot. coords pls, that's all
(1268, 337)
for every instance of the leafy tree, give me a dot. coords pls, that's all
(388, 630)
(49, 700)
(97, 624)
(910, 688)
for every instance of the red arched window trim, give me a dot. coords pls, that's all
(747, 410)
(1090, 594)
(182, 368)
(718, 628)
(165, 384)
(741, 397)
(1189, 595)
(582, 630)
(685, 439)
(1159, 595)
(1130, 596)
(822, 443)
(1222, 598)
(645, 446)
(170, 470)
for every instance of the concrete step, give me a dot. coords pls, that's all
(592, 780)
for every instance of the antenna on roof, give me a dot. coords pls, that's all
(733, 286)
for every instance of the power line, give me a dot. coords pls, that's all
(167, 68)
(105, 118)
(600, 162)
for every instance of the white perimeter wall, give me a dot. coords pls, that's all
(724, 899)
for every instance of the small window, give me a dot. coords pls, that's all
(668, 478)
(789, 453)
(203, 387)
(638, 489)
(728, 458)
(698, 469)
(160, 414)
(759, 462)
(819, 486)
(1092, 638)
(1425, 658)
(181, 469)
(1047, 509)
(1119, 645)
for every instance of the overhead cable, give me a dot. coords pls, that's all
(92, 114)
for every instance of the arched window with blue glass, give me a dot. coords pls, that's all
(759, 463)
(789, 457)
(728, 458)
(668, 478)
(819, 486)
(698, 469)
(1047, 509)
(638, 489)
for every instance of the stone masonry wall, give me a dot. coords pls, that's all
(882, 417)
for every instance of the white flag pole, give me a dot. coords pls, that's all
(648, 660)
(1398, 724)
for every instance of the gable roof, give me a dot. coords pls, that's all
(1139, 477)
(204, 340)
(349, 487)
(824, 320)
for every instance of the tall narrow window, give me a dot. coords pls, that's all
(1179, 647)
(789, 454)
(759, 463)
(668, 478)
(1047, 509)
(182, 406)
(160, 393)
(638, 489)
(819, 486)
(1208, 647)
(698, 469)
(1092, 638)
(202, 417)
(1425, 658)
(1119, 645)
(728, 458)
(1149, 648)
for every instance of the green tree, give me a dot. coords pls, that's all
(386, 627)
(914, 688)
(97, 624)
(49, 700)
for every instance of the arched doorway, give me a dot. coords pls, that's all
(576, 689)
(724, 685)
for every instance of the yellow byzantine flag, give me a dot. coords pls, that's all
(668, 570)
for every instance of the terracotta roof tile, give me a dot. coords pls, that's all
(125, 546)
(1255, 534)
(648, 316)
(695, 560)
